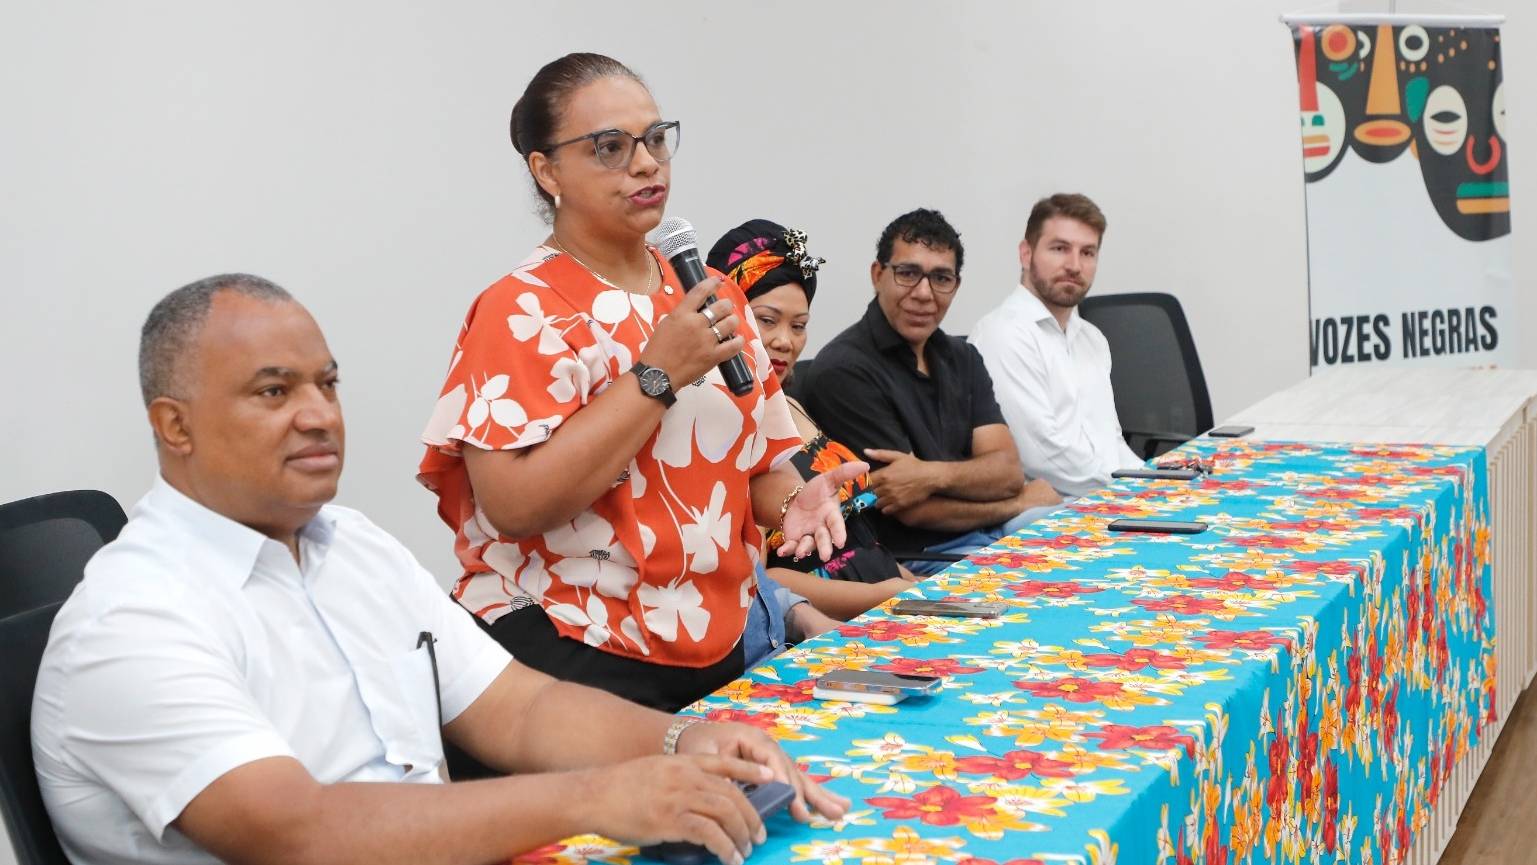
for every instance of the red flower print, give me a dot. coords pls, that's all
(1280, 757)
(1015, 765)
(1330, 822)
(1109, 509)
(761, 720)
(926, 666)
(1390, 721)
(1307, 760)
(1159, 737)
(1045, 588)
(798, 692)
(1310, 526)
(1339, 492)
(1185, 605)
(1136, 659)
(1063, 542)
(1353, 687)
(1233, 581)
(1336, 569)
(1074, 689)
(1214, 484)
(1010, 559)
(1254, 641)
(884, 630)
(937, 806)
(1266, 541)
(1383, 514)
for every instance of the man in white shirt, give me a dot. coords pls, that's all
(245, 653)
(1050, 368)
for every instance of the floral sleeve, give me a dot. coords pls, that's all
(515, 374)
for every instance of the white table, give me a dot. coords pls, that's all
(1494, 408)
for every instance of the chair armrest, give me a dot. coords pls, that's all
(1151, 440)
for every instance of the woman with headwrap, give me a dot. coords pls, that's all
(772, 267)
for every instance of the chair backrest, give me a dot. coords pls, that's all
(22, 639)
(1154, 369)
(45, 542)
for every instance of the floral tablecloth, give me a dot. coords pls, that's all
(1294, 685)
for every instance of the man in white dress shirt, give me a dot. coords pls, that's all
(1050, 368)
(245, 654)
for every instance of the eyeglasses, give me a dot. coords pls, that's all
(615, 147)
(942, 279)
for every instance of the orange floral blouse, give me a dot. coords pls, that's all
(660, 567)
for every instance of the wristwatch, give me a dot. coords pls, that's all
(654, 383)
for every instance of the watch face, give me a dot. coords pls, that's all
(654, 382)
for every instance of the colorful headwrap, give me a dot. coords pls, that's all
(760, 256)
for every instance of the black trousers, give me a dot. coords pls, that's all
(532, 639)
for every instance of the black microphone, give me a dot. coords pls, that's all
(678, 243)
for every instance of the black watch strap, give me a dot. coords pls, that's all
(654, 383)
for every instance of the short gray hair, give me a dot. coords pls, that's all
(173, 326)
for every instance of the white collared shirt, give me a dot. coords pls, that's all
(1054, 388)
(196, 645)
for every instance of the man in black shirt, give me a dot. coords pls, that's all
(919, 403)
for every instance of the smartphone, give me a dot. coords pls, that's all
(871, 681)
(881, 699)
(1157, 474)
(959, 609)
(767, 798)
(1230, 432)
(1162, 527)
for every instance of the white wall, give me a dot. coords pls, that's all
(356, 152)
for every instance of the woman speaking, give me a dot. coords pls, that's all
(604, 485)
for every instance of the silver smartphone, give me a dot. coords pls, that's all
(874, 682)
(958, 609)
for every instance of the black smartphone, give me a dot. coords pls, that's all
(1163, 527)
(1157, 474)
(1230, 432)
(767, 799)
(958, 609)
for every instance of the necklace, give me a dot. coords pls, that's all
(650, 269)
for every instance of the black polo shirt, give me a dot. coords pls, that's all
(865, 391)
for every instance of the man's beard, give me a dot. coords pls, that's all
(1066, 296)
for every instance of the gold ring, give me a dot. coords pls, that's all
(718, 337)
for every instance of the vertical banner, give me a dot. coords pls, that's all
(1407, 178)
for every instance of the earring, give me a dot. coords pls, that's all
(557, 201)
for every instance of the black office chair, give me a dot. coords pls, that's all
(22, 638)
(1160, 391)
(45, 542)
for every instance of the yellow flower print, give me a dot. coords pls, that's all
(850, 818)
(1083, 761)
(833, 852)
(907, 847)
(1017, 799)
(882, 750)
(940, 764)
(1075, 790)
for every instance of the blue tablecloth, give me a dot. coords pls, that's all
(1294, 685)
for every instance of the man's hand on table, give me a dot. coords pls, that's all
(685, 797)
(749, 743)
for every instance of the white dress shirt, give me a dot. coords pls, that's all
(1054, 388)
(195, 645)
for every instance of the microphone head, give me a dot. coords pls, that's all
(673, 236)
